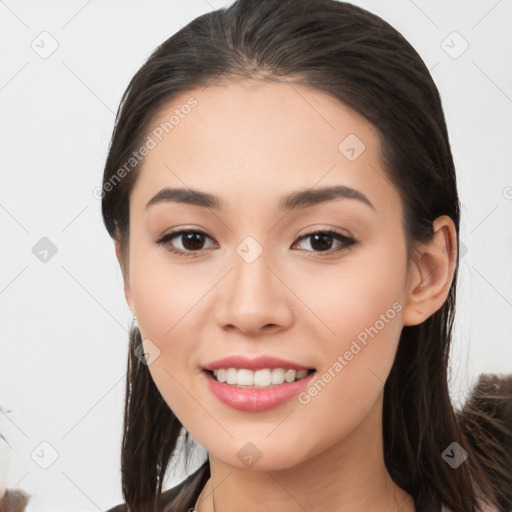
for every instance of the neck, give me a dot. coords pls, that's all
(349, 476)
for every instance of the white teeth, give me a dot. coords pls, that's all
(245, 378)
(277, 376)
(231, 375)
(289, 376)
(259, 378)
(262, 378)
(301, 374)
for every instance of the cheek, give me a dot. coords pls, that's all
(171, 316)
(361, 294)
(362, 307)
(166, 296)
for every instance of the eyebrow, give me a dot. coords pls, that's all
(296, 200)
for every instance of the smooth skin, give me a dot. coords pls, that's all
(251, 144)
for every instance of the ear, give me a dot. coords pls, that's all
(431, 273)
(124, 270)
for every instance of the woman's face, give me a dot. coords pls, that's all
(257, 286)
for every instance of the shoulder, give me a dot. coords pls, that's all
(180, 498)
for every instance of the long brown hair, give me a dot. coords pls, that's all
(362, 61)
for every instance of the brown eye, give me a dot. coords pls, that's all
(191, 241)
(322, 241)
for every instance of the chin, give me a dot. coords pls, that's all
(260, 454)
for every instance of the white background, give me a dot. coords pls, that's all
(64, 323)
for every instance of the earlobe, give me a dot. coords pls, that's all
(127, 291)
(119, 254)
(431, 273)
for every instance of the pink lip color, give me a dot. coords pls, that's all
(253, 399)
(258, 363)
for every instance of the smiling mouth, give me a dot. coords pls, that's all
(259, 379)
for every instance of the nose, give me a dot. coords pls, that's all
(254, 299)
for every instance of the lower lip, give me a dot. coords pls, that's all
(253, 399)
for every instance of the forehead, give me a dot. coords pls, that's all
(254, 137)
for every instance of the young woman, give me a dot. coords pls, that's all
(282, 196)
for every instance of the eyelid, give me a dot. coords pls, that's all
(166, 237)
(346, 240)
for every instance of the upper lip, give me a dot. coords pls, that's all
(257, 363)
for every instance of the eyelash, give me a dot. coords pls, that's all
(346, 241)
